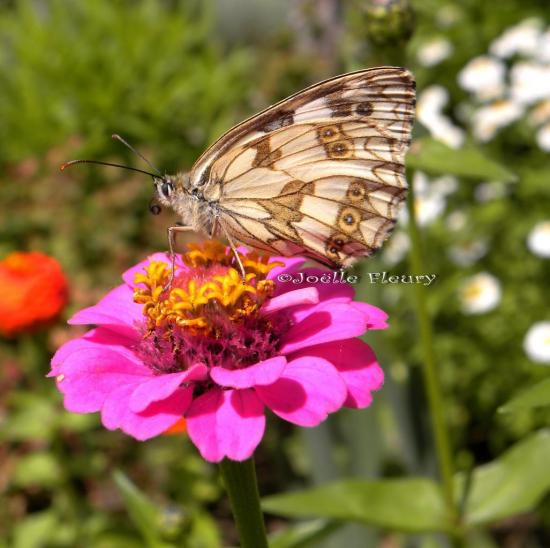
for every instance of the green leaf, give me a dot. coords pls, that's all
(203, 532)
(35, 530)
(74, 422)
(37, 469)
(510, 485)
(410, 505)
(436, 158)
(143, 512)
(480, 539)
(116, 540)
(32, 418)
(300, 535)
(537, 395)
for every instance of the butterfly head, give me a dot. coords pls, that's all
(171, 189)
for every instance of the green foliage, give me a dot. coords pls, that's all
(37, 469)
(31, 532)
(171, 76)
(537, 395)
(89, 69)
(512, 484)
(143, 512)
(435, 158)
(303, 534)
(410, 505)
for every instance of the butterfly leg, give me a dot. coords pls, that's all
(172, 231)
(234, 249)
(214, 228)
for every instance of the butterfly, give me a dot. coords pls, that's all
(319, 174)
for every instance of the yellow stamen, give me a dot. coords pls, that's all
(189, 305)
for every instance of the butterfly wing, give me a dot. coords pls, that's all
(320, 173)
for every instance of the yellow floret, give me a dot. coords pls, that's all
(189, 305)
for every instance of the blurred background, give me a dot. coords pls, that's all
(170, 76)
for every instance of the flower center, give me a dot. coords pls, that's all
(209, 314)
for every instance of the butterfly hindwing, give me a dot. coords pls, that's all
(321, 173)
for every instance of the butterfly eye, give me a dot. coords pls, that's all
(166, 188)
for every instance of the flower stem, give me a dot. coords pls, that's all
(240, 482)
(429, 369)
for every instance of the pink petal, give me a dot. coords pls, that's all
(226, 423)
(116, 311)
(357, 365)
(376, 317)
(86, 355)
(155, 420)
(324, 322)
(128, 276)
(88, 376)
(309, 389)
(266, 372)
(160, 387)
(95, 338)
(306, 295)
(328, 284)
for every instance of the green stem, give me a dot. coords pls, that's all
(239, 479)
(429, 369)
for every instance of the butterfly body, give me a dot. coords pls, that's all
(320, 173)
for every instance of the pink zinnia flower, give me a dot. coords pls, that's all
(218, 352)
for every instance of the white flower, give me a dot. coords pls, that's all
(443, 130)
(468, 253)
(543, 50)
(538, 240)
(429, 201)
(480, 293)
(540, 114)
(488, 119)
(448, 15)
(428, 209)
(456, 221)
(445, 185)
(429, 112)
(430, 197)
(421, 183)
(537, 342)
(396, 248)
(522, 39)
(483, 76)
(543, 137)
(433, 52)
(490, 190)
(530, 82)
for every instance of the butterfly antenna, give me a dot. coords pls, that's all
(98, 162)
(117, 137)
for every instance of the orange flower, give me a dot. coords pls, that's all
(34, 291)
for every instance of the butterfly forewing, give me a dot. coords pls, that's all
(320, 173)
